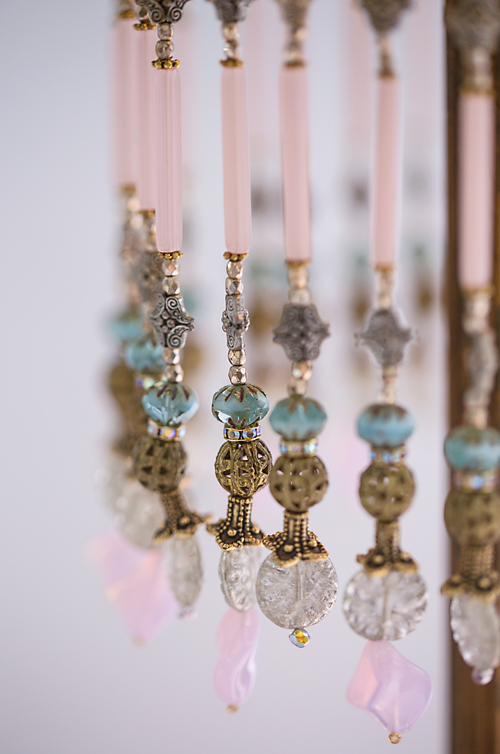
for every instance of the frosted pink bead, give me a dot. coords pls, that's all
(145, 115)
(169, 160)
(389, 687)
(235, 671)
(294, 123)
(124, 38)
(137, 584)
(387, 169)
(476, 189)
(236, 161)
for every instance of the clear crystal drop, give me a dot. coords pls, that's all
(137, 512)
(185, 571)
(299, 595)
(476, 629)
(385, 608)
(238, 572)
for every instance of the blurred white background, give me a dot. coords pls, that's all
(71, 681)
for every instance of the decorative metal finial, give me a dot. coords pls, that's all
(475, 24)
(294, 13)
(385, 14)
(162, 11)
(231, 11)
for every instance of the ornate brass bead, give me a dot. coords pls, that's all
(387, 555)
(159, 465)
(179, 521)
(242, 468)
(295, 542)
(128, 397)
(298, 482)
(386, 490)
(237, 529)
(473, 518)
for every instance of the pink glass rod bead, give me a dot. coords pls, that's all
(137, 584)
(145, 115)
(236, 161)
(393, 690)
(124, 39)
(294, 124)
(235, 671)
(387, 169)
(169, 160)
(476, 189)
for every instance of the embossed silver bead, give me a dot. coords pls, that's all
(174, 373)
(237, 358)
(237, 375)
(234, 270)
(233, 286)
(171, 286)
(171, 355)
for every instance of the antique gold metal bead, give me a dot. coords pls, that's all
(298, 482)
(159, 465)
(386, 490)
(243, 468)
(128, 397)
(473, 518)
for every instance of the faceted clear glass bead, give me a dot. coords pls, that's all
(185, 571)
(137, 512)
(476, 629)
(299, 595)
(238, 572)
(385, 608)
(299, 638)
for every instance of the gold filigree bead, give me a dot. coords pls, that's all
(473, 518)
(243, 468)
(298, 482)
(386, 490)
(159, 465)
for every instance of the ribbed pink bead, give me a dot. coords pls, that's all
(124, 39)
(294, 124)
(385, 211)
(145, 114)
(236, 161)
(168, 160)
(476, 189)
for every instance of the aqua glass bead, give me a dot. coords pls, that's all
(240, 406)
(385, 425)
(170, 403)
(473, 449)
(127, 326)
(298, 418)
(145, 356)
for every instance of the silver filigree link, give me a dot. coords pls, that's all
(386, 338)
(235, 322)
(171, 322)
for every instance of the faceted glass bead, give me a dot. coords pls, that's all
(240, 406)
(385, 608)
(238, 572)
(385, 425)
(185, 571)
(296, 596)
(476, 629)
(298, 418)
(299, 638)
(127, 326)
(145, 356)
(137, 512)
(472, 448)
(171, 403)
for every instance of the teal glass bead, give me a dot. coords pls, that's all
(126, 326)
(384, 425)
(473, 449)
(240, 406)
(145, 356)
(170, 403)
(298, 418)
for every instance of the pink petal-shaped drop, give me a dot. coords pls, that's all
(137, 584)
(389, 687)
(235, 671)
